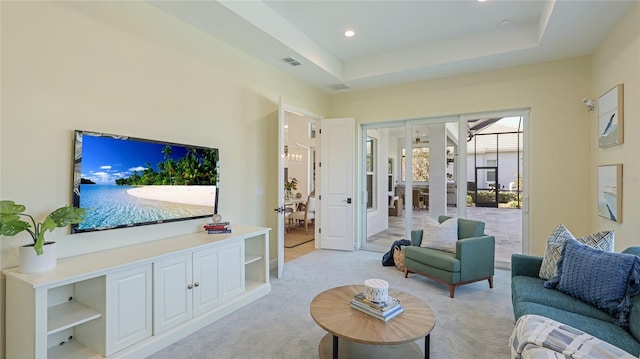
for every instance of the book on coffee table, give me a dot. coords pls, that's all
(379, 306)
(387, 315)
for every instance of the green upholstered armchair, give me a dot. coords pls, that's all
(473, 261)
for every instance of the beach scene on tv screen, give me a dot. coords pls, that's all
(127, 182)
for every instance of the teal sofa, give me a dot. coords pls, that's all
(529, 296)
(474, 259)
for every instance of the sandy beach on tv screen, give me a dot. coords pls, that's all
(195, 195)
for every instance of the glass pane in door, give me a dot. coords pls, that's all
(385, 199)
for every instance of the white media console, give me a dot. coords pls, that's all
(132, 301)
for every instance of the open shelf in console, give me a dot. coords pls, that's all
(251, 258)
(69, 314)
(71, 350)
(75, 319)
(255, 261)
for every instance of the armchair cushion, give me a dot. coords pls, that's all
(435, 258)
(441, 236)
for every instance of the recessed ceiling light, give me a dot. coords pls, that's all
(349, 33)
(506, 22)
(482, 0)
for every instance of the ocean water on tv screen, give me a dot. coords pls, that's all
(113, 206)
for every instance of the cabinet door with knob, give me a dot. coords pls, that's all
(186, 286)
(206, 281)
(172, 292)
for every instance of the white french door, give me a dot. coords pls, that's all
(337, 158)
(287, 116)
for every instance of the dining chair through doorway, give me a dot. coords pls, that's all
(306, 215)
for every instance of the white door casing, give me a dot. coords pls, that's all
(337, 205)
(281, 123)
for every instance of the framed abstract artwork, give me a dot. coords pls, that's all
(610, 192)
(611, 117)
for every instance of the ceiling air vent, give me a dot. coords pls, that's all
(291, 61)
(338, 87)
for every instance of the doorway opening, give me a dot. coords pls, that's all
(299, 172)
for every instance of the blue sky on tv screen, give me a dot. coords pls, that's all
(105, 159)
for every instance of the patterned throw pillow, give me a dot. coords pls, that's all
(441, 236)
(604, 279)
(549, 269)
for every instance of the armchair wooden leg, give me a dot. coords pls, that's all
(452, 289)
(491, 282)
(406, 272)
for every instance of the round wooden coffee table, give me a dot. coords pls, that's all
(365, 336)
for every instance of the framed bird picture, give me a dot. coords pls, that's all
(610, 192)
(611, 117)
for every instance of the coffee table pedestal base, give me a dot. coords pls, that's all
(347, 349)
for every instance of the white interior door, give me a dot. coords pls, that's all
(337, 157)
(303, 146)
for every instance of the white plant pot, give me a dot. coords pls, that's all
(30, 262)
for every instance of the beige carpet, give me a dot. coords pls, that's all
(476, 324)
(297, 236)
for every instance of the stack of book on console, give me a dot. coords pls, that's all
(381, 310)
(218, 227)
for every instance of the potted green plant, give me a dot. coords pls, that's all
(11, 223)
(289, 186)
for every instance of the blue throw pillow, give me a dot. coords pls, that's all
(604, 279)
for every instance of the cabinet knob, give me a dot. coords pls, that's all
(190, 286)
(196, 284)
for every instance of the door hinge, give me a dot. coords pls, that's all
(319, 164)
(320, 131)
(320, 198)
(319, 230)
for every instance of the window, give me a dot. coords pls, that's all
(312, 129)
(371, 160)
(420, 164)
(491, 173)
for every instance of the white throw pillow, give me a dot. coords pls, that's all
(441, 236)
(555, 243)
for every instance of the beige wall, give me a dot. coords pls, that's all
(128, 68)
(559, 130)
(617, 61)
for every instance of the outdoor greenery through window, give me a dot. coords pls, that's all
(420, 165)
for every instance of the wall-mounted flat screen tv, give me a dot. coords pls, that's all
(126, 181)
